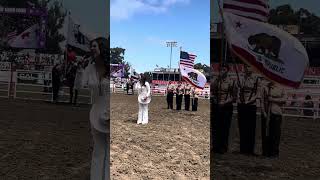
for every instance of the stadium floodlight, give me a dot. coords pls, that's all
(171, 44)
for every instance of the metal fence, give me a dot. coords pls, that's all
(297, 110)
(35, 85)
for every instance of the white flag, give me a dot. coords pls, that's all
(194, 77)
(275, 53)
(117, 70)
(76, 37)
(27, 39)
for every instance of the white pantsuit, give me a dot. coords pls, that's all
(100, 123)
(100, 156)
(143, 92)
(143, 114)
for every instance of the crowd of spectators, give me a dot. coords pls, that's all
(31, 61)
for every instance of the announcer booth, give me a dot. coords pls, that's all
(161, 78)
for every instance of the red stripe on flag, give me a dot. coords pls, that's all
(193, 84)
(255, 2)
(186, 60)
(249, 58)
(245, 9)
(183, 62)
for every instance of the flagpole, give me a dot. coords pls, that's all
(232, 57)
(68, 33)
(179, 64)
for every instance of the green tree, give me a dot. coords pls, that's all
(56, 19)
(117, 57)
(205, 68)
(285, 15)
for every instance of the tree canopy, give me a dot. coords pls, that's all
(117, 57)
(286, 15)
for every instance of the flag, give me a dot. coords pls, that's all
(30, 4)
(273, 52)
(253, 9)
(27, 39)
(133, 74)
(192, 76)
(76, 37)
(12, 35)
(187, 59)
(117, 70)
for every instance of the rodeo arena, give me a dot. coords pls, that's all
(174, 142)
(45, 130)
(250, 148)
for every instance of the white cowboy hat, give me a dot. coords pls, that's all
(141, 99)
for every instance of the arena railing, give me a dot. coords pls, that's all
(120, 88)
(297, 111)
(37, 90)
(5, 77)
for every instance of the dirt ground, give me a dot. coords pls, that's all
(174, 145)
(299, 155)
(44, 141)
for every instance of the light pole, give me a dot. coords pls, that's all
(171, 44)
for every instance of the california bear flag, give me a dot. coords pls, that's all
(194, 77)
(28, 39)
(275, 53)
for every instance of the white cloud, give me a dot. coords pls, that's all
(124, 9)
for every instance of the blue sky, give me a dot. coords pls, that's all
(311, 5)
(92, 15)
(143, 26)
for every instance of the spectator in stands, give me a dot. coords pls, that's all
(294, 100)
(308, 104)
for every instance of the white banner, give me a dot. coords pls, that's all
(273, 52)
(5, 66)
(194, 77)
(5, 76)
(76, 36)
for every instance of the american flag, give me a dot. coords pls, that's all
(12, 35)
(252, 9)
(187, 59)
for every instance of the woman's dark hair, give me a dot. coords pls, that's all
(104, 47)
(143, 80)
(308, 97)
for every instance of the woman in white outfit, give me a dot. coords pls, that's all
(96, 77)
(144, 98)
